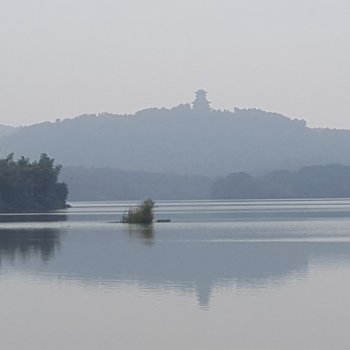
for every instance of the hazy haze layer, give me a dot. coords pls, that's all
(63, 58)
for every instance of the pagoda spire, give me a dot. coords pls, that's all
(201, 104)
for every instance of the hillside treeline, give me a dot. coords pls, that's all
(114, 184)
(30, 186)
(330, 181)
(183, 141)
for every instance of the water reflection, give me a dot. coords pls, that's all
(31, 217)
(183, 257)
(143, 232)
(25, 244)
(110, 258)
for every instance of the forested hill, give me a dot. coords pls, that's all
(114, 184)
(183, 140)
(330, 181)
(7, 130)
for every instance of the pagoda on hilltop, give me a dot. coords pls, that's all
(201, 103)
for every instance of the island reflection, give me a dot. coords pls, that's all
(24, 244)
(156, 258)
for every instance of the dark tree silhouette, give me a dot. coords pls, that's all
(31, 186)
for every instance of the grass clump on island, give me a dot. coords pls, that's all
(142, 214)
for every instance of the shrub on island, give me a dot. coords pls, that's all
(142, 214)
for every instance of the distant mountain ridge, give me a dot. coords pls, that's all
(183, 140)
(328, 181)
(114, 184)
(7, 130)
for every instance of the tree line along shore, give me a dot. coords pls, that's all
(41, 185)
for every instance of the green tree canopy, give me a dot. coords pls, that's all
(30, 186)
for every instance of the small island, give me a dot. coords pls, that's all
(31, 185)
(142, 214)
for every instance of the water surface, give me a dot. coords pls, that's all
(221, 275)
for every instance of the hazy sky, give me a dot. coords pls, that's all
(62, 58)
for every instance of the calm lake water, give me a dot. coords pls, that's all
(222, 275)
